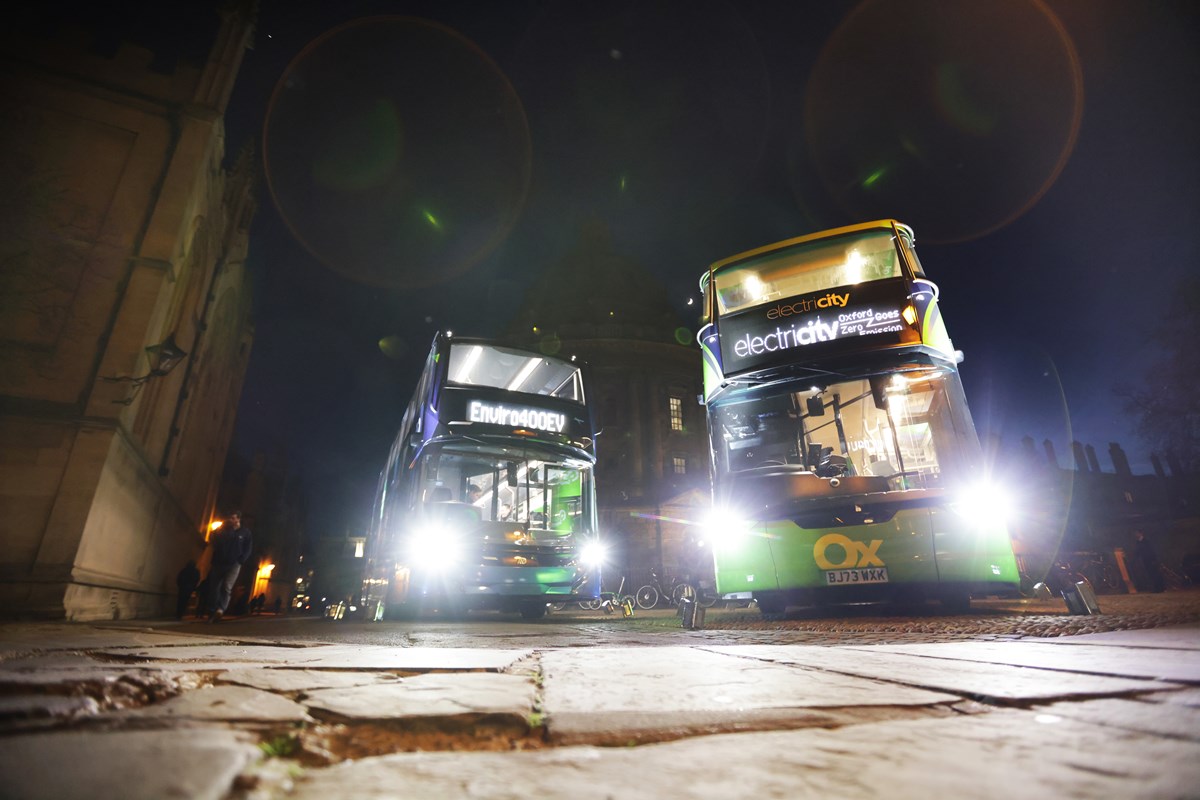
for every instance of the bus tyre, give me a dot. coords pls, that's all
(400, 611)
(956, 602)
(771, 605)
(533, 610)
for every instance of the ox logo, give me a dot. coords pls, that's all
(854, 554)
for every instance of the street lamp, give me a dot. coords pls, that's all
(165, 356)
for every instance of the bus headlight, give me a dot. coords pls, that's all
(725, 529)
(593, 554)
(434, 549)
(983, 501)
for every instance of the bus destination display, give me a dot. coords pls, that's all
(814, 325)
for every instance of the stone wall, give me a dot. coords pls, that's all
(122, 228)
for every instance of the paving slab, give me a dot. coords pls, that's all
(124, 765)
(299, 680)
(433, 695)
(209, 653)
(1180, 721)
(28, 706)
(36, 637)
(979, 680)
(1169, 637)
(1182, 697)
(59, 659)
(415, 659)
(974, 756)
(224, 703)
(594, 692)
(1140, 662)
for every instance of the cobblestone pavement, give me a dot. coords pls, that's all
(988, 619)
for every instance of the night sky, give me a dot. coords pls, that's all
(423, 160)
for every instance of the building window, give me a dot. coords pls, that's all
(679, 465)
(676, 413)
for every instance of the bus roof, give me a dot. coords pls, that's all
(882, 224)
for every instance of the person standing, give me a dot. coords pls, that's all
(231, 546)
(186, 582)
(1144, 553)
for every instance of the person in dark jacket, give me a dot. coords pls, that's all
(186, 582)
(231, 546)
(1147, 559)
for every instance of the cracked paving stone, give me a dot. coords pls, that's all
(434, 695)
(299, 680)
(124, 765)
(966, 756)
(226, 703)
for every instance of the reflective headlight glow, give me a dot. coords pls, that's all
(725, 528)
(593, 554)
(435, 549)
(984, 502)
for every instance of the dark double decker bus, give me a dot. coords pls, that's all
(845, 462)
(488, 498)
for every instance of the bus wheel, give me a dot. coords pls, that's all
(533, 610)
(956, 602)
(770, 604)
(400, 611)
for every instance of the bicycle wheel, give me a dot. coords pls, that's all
(680, 591)
(1113, 579)
(1172, 580)
(647, 597)
(589, 605)
(708, 598)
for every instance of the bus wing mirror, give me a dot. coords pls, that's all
(816, 407)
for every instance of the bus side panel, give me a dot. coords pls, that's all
(972, 551)
(746, 566)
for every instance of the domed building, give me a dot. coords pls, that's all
(643, 383)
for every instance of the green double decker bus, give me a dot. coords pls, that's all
(845, 464)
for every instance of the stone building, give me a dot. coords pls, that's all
(644, 381)
(123, 242)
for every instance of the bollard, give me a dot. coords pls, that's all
(693, 614)
(1081, 599)
(690, 610)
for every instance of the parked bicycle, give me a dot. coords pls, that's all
(657, 591)
(651, 594)
(1101, 572)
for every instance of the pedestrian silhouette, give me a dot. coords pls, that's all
(1147, 560)
(186, 582)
